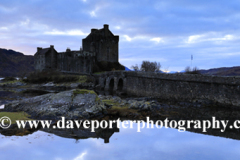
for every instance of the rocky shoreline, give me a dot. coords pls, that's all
(79, 104)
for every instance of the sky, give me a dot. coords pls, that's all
(165, 31)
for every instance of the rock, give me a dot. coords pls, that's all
(50, 84)
(124, 102)
(69, 104)
(74, 85)
(19, 84)
(140, 105)
(117, 99)
(133, 104)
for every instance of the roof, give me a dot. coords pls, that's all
(43, 51)
(99, 31)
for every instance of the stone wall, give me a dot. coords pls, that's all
(224, 90)
(75, 62)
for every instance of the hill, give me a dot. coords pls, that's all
(127, 69)
(14, 63)
(224, 71)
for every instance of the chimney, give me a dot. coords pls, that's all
(39, 49)
(105, 26)
(93, 29)
(68, 50)
(52, 46)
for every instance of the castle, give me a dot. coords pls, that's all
(99, 46)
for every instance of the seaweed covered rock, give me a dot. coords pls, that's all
(73, 104)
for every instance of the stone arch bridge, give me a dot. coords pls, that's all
(179, 86)
(112, 81)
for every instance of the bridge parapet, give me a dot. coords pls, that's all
(180, 86)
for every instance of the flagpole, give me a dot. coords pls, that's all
(191, 60)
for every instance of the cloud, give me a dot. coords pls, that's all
(3, 28)
(194, 38)
(117, 27)
(127, 38)
(157, 39)
(68, 33)
(93, 14)
(209, 37)
(80, 156)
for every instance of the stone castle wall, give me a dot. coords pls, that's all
(99, 45)
(103, 43)
(75, 62)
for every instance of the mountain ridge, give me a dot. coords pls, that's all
(13, 63)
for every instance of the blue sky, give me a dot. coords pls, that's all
(166, 31)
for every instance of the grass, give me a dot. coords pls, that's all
(15, 116)
(10, 82)
(82, 79)
(56, 77)
(99, 72)
(83, 91)
(116, 108)
(110, 102)
(115, 105)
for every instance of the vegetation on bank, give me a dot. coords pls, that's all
(56, 77)
(148, 66)
(15, 116)
(194, 70)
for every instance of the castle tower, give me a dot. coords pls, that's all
(103, 43)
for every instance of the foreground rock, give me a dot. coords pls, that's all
(80, 104)
(70, 104)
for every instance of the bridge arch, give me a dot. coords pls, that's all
(113, 81)
(111, 84)
(120, 84)
(104, 83)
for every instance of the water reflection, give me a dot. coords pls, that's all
(155, 143)
(82, 133)
(127, 144)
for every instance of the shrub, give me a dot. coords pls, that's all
(148, 66)
(188, 69)
(195, 70)
(56, 77)
(135, 68)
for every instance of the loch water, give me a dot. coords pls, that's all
(123, 143)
